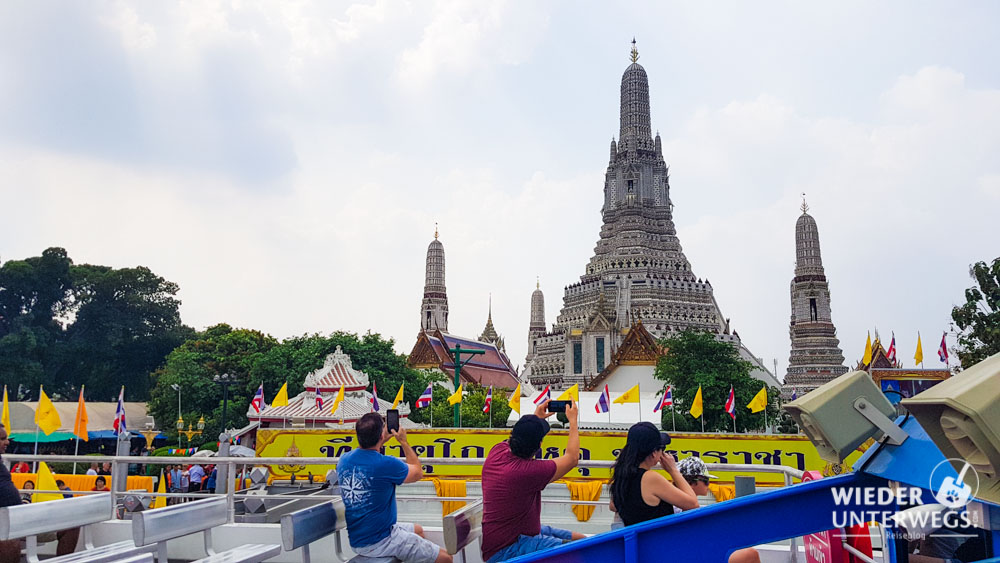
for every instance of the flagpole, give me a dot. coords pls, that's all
(702, 417)
(673, 421)
(76, 452)
(36, 448)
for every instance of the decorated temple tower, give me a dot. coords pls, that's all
(815, 355)
(434, 307)
(638, 270)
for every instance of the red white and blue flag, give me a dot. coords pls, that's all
(890, 354)
(374, 397)
(604, 401)
(667, 400)
(489, 400)
(319, 400)
(943, 349)
(425, 398)
(258, 399)
(731, 404)
(119, 423)
(545, 396)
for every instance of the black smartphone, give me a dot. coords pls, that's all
(392, 420)
(558, 406)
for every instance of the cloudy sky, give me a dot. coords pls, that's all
(285, 163)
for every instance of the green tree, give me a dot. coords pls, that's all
(473, 400)
(220, 349)
(696, 358)
(979, 317)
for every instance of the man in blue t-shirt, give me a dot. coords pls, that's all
(368, 482)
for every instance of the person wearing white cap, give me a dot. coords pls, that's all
(695, 472)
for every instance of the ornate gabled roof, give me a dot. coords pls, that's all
(493, 367)
(337, 371)
(639, 348)
(879, 359)
(355, 405)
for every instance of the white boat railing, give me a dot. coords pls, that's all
(231, 464)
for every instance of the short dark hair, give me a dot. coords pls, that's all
(369, 429)
(100, 479)
(60, 482)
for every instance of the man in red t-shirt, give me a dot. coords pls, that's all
(512, 488)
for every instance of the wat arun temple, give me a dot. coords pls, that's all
(638, 275)
(638, 288)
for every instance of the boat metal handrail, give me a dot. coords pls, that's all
(118, 493)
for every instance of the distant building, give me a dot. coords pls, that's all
(815, 356)
(638, 270)
(306, 411)
(430, 351)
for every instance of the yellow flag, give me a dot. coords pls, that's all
(46, 482)
(5, 418)
(281, 399)
(399, 396)
(918, 358)
(456, 397)
(696, 407)
(574, 393)
(759, 401)
(868, 351)
(514, 401)
(80, 424)
(337, 400)
(46, 416)
(161, 487)
(630, 396)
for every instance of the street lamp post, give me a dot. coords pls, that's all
(180, 419)
(225, 380)
(190, 433)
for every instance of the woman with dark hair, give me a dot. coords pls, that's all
(638, 494)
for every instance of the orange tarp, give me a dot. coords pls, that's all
(84, 482)
(584, 490)
(450, 488)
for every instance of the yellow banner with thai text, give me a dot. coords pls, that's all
(474, 444)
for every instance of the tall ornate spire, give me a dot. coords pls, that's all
(434, 307)
(815, 356)
(490, 333)
(635, 123)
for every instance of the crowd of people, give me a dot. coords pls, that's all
(512, 481)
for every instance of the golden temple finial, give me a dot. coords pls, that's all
(538, 282)
(635, 52)
(435, 231)
(805, 206)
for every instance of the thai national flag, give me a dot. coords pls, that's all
(258, 399)
(425, 398)
(374, 397)
(667, 400)
(319, 400)
(890, 354)
(489, 400)
(604, 401)
(943, 349)
(731, 404)
(545, 396)
(119, 423)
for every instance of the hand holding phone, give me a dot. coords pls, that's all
(558, 406)
(392, 420)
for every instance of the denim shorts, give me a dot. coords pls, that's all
(549, 537)
(403, 544)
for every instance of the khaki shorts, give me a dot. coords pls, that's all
(403, 544)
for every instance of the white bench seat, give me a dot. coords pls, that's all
(250, 553)
(30, 520)
(156, 527)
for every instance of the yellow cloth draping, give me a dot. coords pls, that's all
(722, 492)
(584, 490)
(84, 482)
(450, 488)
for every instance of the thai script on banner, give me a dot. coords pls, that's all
(753, 449)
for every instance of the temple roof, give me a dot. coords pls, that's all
(336, 371)
(639, 347)
(491, 368)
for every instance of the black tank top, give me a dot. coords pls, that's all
(636, 510)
